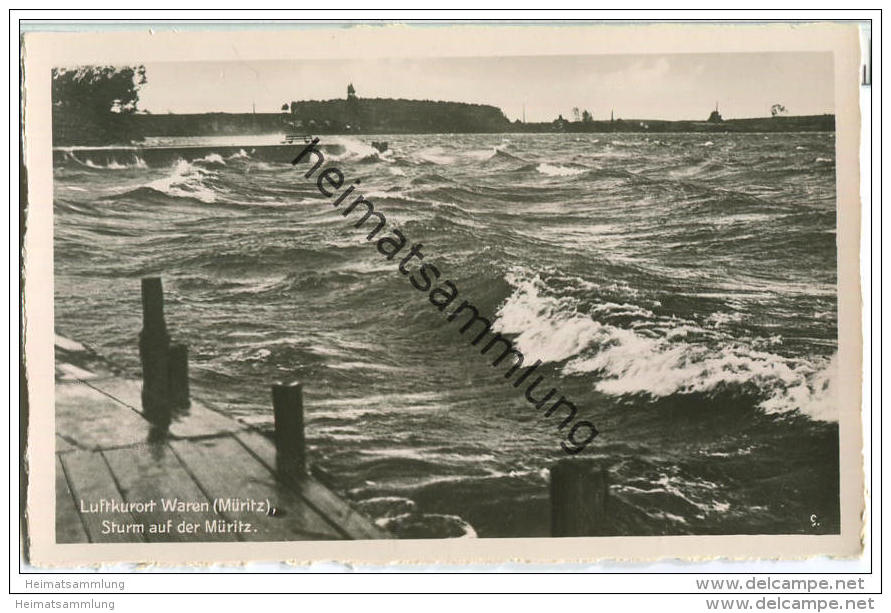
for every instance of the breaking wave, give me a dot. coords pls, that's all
(212, 159)
(558, 171)
(686, 299)
(435, 155)
(439, 525)
(187, 181)
(352, 149)
(241, 154)
(628, 362)
(113, 164)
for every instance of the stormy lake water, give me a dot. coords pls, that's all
(679, 288)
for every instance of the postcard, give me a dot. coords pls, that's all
(442, 293)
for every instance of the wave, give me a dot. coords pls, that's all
(185, 181)
(386, 506)
(211, 159)
(241, 154)
(427, 525)
(480, 154)
(392, 193)
(699, 494)
(631, 362)
(434, 155)
(111, 164)
(430, 179)
(354, 150)
(503, 156)
(558, 171)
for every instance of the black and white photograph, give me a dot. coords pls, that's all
(451, 297)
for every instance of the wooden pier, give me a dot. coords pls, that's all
(142, 461)
(118, 465)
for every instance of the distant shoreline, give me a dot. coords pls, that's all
(221, 124)
(204, 125)
(388, 116)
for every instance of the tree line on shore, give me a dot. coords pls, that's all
(98, 105)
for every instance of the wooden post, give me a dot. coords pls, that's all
(290, 445)
(154, 343)
(178, 376)
(153, 304)
(579, 493)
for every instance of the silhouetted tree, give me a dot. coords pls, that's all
(92, 103)
(777, 110)
(586, 116)
(98, 89)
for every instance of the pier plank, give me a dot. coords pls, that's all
(104, 451)
(153, 472)
(69, 528)
(197, 420)
(92, 420)
(347, 520)
(63, 445)
(225, 469)
(91, 481)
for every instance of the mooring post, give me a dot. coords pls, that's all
(154, 343)
(579, 493)
(178, 376)
(290, 444)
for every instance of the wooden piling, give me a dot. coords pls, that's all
(290, 444)
(178, 376)
(153, 304)
(579, 494)
(154, 344)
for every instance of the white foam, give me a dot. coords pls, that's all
(547, 328)
(627, 362)
(213, 158)
(138, 162)
(720, 318)
(481, 154)
(388, 506)
(380, 194)
(435, 155)
(558, 171)
(684, 489)
(816, 394)
(466, 529)
(355, 149)
(240, 154)
(185, 181)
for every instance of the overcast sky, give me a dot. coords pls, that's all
(683, 86)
